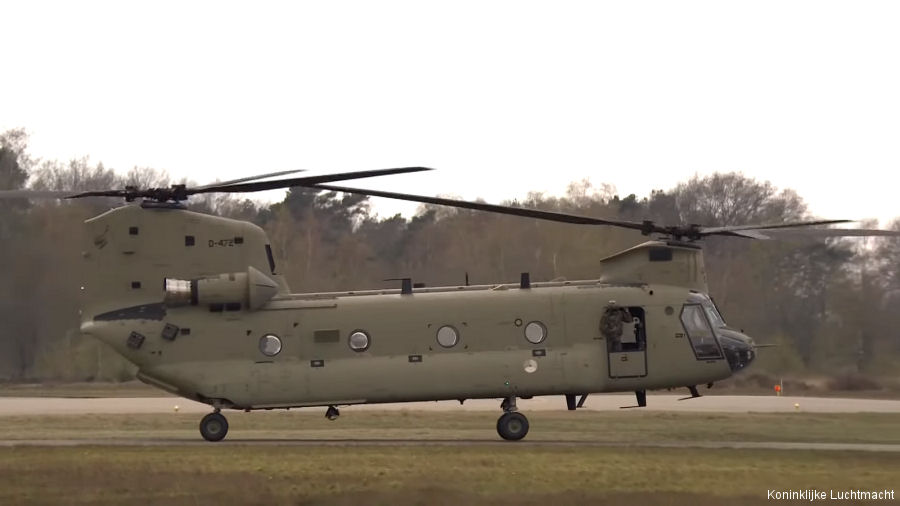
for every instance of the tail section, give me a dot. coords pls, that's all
(133, 250)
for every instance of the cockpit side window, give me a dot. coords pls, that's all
(699, 332)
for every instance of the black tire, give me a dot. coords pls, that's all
(512, 426)
(213, 427)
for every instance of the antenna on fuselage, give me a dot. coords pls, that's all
(525, 281)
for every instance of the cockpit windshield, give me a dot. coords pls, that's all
(710, 336)
(709, 307)
(699, 332)
(715, 319)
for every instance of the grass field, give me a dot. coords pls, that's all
(512, 473)
(519, 474)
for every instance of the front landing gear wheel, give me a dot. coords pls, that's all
(512, 426)
(213, 427)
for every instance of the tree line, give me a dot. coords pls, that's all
(830, 305)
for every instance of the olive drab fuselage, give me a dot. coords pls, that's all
(195, 303)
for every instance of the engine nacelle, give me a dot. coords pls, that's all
(251, 289)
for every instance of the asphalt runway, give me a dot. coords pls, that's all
(18, 406)
(732, 445)
(30, 406)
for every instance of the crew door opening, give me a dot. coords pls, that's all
(625, 332)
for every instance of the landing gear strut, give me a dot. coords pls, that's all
(512, 425)
(213, 426)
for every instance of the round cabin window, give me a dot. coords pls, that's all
(358, 341)
(447, 336)
(270, 345)
(535, 332)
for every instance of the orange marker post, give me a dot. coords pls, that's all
(778, 390)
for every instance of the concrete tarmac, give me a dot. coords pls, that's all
(19, 406)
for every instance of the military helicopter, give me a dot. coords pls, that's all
(196, 303)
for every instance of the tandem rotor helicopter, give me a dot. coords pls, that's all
(196, 303)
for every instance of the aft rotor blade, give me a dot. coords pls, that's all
(180, 192)
(300, 181)
(34, 194)
(250, 178)
(494, 208)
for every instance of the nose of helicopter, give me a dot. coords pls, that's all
(739, 348)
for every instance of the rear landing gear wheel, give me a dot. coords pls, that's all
(213, 427)
(512, 426)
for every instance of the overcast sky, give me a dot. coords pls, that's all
(502, 97)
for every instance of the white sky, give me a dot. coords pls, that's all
(502, 97)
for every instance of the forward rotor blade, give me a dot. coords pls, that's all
(828, 232)
(493, 208)
(772, 226)
(299, 181)
(250, 178)
(749, 234)
(34, 194)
